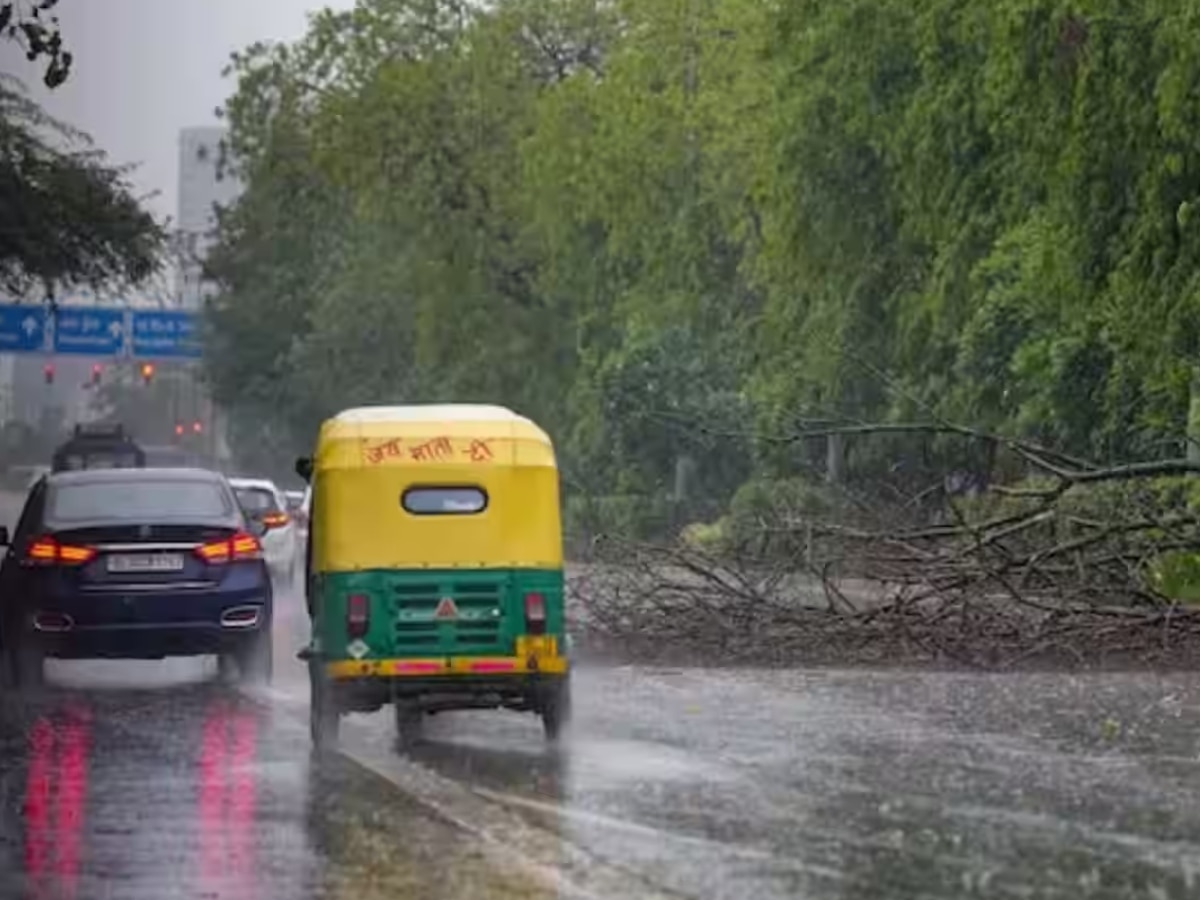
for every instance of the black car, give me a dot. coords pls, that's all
(134, 564)
(98, 447)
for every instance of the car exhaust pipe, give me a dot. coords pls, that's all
(53, 623)
(241, 617)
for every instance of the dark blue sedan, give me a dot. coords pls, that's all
(134, 564)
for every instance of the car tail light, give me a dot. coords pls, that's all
(275, 519)
(47, 551)
(358, 615)
(535, 613)
(240, 546)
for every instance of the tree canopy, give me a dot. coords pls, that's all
(656, 225)
(66, 215)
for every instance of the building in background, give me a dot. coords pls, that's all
(204, 185)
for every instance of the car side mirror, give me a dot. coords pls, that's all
(5, 538)
(304, 468)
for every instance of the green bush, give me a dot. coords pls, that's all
(763, 513)
(630, 516)
(1176, 575)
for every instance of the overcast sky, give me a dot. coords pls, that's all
(144, 69)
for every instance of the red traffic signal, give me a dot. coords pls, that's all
(178, 430)
(97, 371)
(197, 427)
(48, 373)
(147, 372)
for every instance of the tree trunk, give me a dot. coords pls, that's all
(835, 456)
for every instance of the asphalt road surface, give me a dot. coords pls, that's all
(125, 781)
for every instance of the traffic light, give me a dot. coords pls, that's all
(197, 427)
(97, 371)
(179, 431)
(48, 373)
(147, 372)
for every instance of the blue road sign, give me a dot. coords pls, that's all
(166, 335)
(92, 331)
(22, 328)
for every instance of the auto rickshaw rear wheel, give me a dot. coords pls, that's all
(554, 704)
(324, 717)
(409, 721)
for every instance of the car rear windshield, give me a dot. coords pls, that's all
(145, 500)
(256, 500)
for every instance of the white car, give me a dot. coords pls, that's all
(263, 502)
(296, 501)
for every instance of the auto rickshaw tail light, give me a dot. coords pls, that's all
(535, 613)
(240, 546)
(47, 551)
(358, 615)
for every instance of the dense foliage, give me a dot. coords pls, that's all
(67, 217)
(663, 228)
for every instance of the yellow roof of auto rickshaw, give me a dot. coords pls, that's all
(372, 435)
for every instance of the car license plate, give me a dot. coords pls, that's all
(145, 562)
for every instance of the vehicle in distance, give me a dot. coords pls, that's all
(98, 446)
(134, 564)
(265, 504)
(295, 503)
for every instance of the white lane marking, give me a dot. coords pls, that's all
(593, 818)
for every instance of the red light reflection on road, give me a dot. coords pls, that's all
(56, 802)
(228, 802)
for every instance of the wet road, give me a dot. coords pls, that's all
(156, 781)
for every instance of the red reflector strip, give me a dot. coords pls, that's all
(493, 666)
(419, 667)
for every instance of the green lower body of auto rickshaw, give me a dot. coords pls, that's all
(432, 641)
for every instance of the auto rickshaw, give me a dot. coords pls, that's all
(435, 567)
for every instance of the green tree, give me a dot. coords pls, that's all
(66, 216)
(677, 232)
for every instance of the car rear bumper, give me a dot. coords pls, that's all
(145, 625)
(144, 641)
